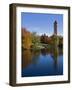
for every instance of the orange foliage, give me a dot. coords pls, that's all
(26, 39)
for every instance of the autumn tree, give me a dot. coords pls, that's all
(44, 39)
(26, 39)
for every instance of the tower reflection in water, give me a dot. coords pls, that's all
(55, 51)
(35, 61)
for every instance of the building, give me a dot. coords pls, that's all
(55, 28)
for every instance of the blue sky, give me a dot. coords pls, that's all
(42, 23)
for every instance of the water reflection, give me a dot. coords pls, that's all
(42, 62)
(54, 55)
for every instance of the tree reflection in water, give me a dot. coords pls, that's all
(33, 57)
(26, 58)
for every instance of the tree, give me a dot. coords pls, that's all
(44, 39)
(26, 39)
(35, 39)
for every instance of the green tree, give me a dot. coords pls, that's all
(35, 39)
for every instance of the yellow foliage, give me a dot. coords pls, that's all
(26, 39)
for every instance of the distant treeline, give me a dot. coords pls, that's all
(32, 40)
